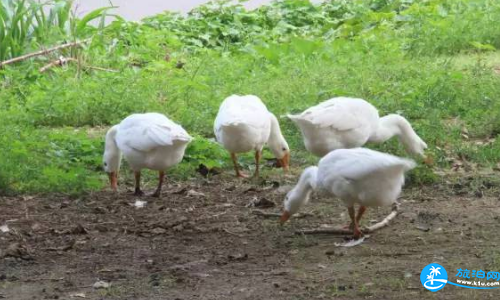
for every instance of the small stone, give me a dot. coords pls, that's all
(4, 228)
(140, 204)
(101, 285)
(423, 228)
(78, 229)
(334, 252)
(261, 203)
(36, 227)
(238, 257)
(193, 193)
(179, 227)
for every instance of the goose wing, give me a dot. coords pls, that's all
(358, 163)
(340, 113)
(145, 132)
(248, 110)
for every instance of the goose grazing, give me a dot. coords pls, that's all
(243, 124)
(150, 141)
(356, 176)
(344, 123)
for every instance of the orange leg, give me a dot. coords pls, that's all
(161, 176)
(113, 180)
(138, 191)
(361, 211)
(349, 226)
(352, 215)
(236, 168)
(257, 162)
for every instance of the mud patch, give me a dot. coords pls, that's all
(220, 239)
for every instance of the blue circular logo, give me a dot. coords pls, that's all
(434, 277)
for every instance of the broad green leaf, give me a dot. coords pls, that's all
(98, 13)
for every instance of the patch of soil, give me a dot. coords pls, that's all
(202, 240)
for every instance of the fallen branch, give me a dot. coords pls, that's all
(342, 231)
(66, 247)
(43, 279)
(277, 215)
(42, 52)
(384, 222)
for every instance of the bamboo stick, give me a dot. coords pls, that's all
(42, 52)
(62, 61)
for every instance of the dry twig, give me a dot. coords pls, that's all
(63, 60)
(42, 52)
(342, 231)
(58, 62)
(266, 214)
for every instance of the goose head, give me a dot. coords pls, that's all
(278, 144)
(300, 194)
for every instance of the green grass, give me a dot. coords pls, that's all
(400, 55)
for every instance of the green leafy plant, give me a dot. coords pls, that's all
(206, 152)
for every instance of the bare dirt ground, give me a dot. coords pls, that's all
(200, 241)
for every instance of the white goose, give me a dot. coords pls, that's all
(147, 140)
(357, 176)
(243, 124)
(344, 123)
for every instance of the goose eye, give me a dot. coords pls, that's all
(284, 149)
(105, 164)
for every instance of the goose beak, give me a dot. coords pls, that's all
(285, 161)
(113, 180)
(284, 217)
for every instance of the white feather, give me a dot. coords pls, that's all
(243, 124)
(363, 176)
(343, 123)
(357, 176)
(150, 141)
